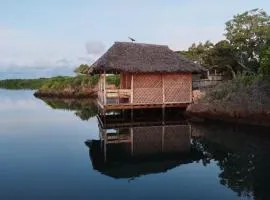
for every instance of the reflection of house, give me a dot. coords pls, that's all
(150, 76)
(129, 151)
(148, 140)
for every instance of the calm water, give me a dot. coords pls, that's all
(56, 149)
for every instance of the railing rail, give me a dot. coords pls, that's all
(114, 95)
(118, 93)
(204, 83)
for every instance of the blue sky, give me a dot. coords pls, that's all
(44, 38)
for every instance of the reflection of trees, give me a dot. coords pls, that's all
(236, 167)
(84, 108)
(241, 157)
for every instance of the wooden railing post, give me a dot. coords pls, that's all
(104, 88)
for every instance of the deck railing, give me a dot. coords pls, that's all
(114, 96)
(204, 83)
(118, 93)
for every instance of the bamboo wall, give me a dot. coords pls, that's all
(149, 88)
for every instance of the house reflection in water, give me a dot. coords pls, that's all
(130, 148)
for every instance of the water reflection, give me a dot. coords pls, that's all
(84, 108)
(130, 148)
(148, 143)
(242, 154)
(140, 143)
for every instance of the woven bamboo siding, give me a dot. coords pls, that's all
(178, 88)
(177, 138)
(147, 89)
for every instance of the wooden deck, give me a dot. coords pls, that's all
(122, 106)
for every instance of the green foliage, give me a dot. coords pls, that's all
(265, 61)
(82, 69)
(55, 83)
(225, 90)
(248, 33)
(63, 82)
(22, 83)
(113, 79)
(199, 53)
(245, 50)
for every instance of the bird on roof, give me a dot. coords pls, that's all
(132, 39)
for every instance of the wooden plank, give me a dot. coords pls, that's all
(118, 141)
(143, 124)
(138, 106)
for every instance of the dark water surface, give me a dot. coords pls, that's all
(57, 149)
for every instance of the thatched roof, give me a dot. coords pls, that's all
(138, 57)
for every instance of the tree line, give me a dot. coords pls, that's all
(245, 49)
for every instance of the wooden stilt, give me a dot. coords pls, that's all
(105, 145)
(163, 133)
(163, 114)
(131, 115)
(131, 138)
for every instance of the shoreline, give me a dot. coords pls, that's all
(202, 112)
(66, 94)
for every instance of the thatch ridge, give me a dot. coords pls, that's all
(145, 58)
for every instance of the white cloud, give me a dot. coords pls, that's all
(20, 49)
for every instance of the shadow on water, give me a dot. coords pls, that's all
(132, 148)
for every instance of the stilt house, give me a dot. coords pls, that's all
(151, 76)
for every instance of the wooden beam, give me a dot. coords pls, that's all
(132, 91)
(163, 89)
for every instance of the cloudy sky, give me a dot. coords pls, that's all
(51, 37)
